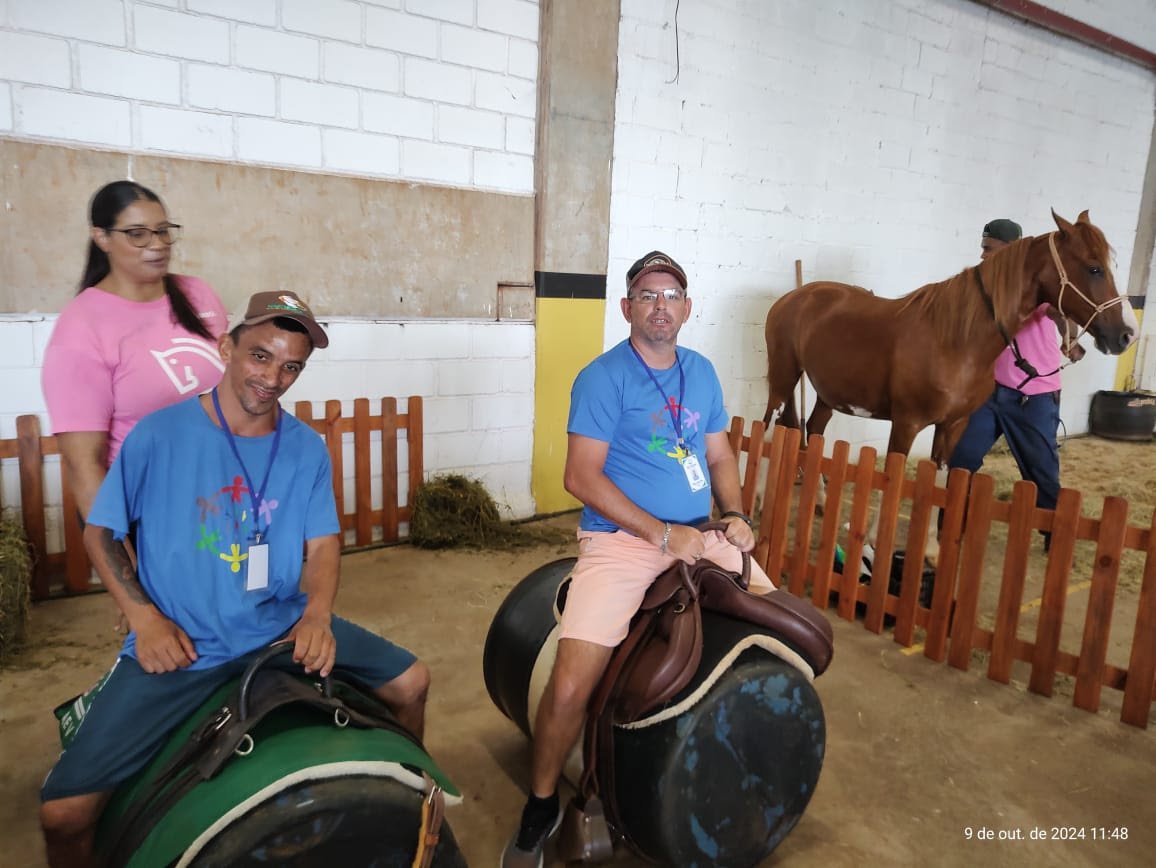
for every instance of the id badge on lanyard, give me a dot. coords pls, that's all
(257, 552)
(695, 478)
(257, 567)
(693, 470)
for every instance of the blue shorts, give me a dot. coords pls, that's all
(132, 715)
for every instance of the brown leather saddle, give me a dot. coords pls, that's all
(657, 659)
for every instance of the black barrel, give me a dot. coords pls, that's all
(1123, 415)
(519, 629)
(722, 782)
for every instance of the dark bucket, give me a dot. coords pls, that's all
(1123, 415)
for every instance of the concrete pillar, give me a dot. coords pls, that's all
(578, 77)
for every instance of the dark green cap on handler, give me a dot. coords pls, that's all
(1003, 230)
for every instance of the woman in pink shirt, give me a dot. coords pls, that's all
(135, 339)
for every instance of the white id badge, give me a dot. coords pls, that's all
(257, 567)
(694, 474)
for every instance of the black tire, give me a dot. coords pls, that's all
(349, 822)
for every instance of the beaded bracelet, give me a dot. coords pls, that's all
(665, 537)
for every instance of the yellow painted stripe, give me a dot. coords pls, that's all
(568, 335)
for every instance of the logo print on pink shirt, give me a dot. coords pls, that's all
(184, 378)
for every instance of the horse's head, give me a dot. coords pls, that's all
(1084, 289)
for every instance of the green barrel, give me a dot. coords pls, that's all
(309, 793)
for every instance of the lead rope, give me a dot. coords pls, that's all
(1021, 363)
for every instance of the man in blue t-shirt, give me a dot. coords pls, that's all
(647, 452)
(222, 493)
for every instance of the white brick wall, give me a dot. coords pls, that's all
(870, 140)
(301, 83)
(135, 76)
(478, 405)
(5, 107)
(100, 21)
(59, 114)
(230, 90)
(34, 59)
(185, 132)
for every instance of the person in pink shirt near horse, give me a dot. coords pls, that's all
(1025, 406)
(135, 338)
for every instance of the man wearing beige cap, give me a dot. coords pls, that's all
(222, 491)
(647, 454)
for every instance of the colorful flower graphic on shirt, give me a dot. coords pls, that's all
(227, 523)
(663, 437)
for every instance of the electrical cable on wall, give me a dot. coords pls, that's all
(676, 57)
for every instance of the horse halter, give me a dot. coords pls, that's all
(1097, 309)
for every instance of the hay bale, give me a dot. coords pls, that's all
(15, 576)
(451, 511)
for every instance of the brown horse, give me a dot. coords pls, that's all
(928, 358)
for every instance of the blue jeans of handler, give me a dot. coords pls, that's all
(1029, 424)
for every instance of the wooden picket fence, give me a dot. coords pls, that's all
(68, 572)
(789, 552)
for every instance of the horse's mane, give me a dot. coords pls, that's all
(955, 307)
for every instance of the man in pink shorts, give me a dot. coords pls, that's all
(648, 450)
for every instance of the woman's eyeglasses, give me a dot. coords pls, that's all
(142, 236)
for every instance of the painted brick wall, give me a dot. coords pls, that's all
(438, 91)
(1119, 17)
(871, 140)
(428, 90)
(476, 381)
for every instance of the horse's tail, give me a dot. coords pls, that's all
(785, 392)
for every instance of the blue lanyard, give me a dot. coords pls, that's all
(255, 496)
(675, 418)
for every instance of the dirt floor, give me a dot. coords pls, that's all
(922, 759)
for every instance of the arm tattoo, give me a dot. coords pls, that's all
(120, 567)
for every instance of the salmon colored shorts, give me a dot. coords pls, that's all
(612, 575)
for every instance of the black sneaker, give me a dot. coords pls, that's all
(525, 848)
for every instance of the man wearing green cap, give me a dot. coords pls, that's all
(1025, 406)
